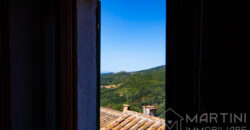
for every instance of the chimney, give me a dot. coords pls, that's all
(149, 110)
(125, 107)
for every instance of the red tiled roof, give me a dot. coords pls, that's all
(116, 120)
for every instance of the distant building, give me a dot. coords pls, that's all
(122, 71)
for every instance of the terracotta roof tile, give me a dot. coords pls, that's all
(108, 115)
(116, 120)
(146, 125)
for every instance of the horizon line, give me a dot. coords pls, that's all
(131, 71)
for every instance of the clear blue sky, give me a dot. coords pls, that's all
(132, 34)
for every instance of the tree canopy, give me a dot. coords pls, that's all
(146, 87)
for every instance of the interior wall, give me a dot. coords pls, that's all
(182, 55)
(32, 41)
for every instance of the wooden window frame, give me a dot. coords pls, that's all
(68, 64)
(67, 95)
(184, 49)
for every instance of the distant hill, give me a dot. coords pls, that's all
(106, 73)
(146, 87)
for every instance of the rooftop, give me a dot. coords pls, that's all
(112, 119)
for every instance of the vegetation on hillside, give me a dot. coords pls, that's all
(139, 88)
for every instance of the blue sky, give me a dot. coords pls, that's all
(132, 34)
